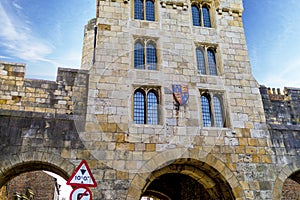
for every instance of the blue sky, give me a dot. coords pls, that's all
(272, 32)
(43, 34)
(46, 34)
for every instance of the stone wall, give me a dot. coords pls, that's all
(291, 190)
(64, 96)
(282, 114)
(40, 116)
(41, 184)
(281, 108)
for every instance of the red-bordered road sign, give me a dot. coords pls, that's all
(82, 176)
(81, 194)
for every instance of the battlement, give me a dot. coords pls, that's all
(22, 94)
(281, 108)
(275, 94)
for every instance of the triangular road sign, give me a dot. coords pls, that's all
(82, 176)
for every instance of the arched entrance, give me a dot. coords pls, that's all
(31, 166)
(291, 186)
(29, 179)
(187, 179)
(289, 176)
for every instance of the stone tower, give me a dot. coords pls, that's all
(152, 144)
(145, 57)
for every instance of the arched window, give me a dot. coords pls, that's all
(139, 57)
(218, 112)
(206, 111)
(152, 108)
(145, 55)
(212, 109)
(201, 15)
(211, 62)
(139, 107)
(146, 106)
(206, 16)
(200, 61)
(144, 9)
(151, 56)
(206, 60)
(150, 10)
(196, 16)
(138, 9)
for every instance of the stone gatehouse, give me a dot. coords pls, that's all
(220, 136)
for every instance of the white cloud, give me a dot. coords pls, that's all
(17, 5)
(286, 76)
(5, 57)
(18, 40)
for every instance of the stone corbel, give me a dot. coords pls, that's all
(174, 5)
(185, 6)
(230, 11)
(163, 4)
(219, 10)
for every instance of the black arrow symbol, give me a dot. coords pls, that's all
(83, 171)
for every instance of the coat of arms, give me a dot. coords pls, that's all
(180, 93)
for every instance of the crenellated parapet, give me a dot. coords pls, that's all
(281, 108)
(63, 96)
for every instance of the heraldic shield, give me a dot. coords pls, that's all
(180, 93)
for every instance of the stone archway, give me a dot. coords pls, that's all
(288, 178)
(291, 186)
(161, 161)
(34, 161)
(186, 179)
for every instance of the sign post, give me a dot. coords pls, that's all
(82, 178)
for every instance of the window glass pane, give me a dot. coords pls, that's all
(139, 108)
(150, 10)
(152, 108)
(206, 115)
(139, 59)
(218, 112)
(138, 9)
(211, 62)
(151, 57)
(206, 17)
(196, 16)
(200, 62)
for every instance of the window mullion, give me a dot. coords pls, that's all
(145, 55)
(144, 9)
(213, 123)
(206, 59)
(201, 15)
(158, 106)
(146, 108)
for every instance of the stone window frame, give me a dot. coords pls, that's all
(144, 13)
(145, 41)
(146, 89)
(204, 47)
(212, 10)
(221, 96)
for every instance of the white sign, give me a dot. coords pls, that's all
(81, 194)
(82, 176)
